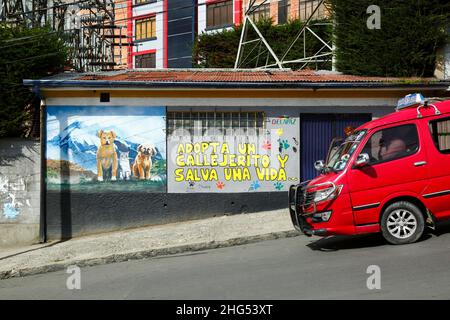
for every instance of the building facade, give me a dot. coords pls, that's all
(161, 33)
(137, 148)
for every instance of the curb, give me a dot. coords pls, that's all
(149, 253)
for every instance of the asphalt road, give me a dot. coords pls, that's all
(294, 268)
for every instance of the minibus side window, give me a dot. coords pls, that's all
(440, 130)
(392, 144)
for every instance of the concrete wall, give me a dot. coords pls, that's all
(443, 64)
(19, 192)
(75, 214)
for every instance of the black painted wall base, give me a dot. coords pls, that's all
(72, 214)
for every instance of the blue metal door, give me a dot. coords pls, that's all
(316, 133)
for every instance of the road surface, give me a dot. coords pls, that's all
(293, 268)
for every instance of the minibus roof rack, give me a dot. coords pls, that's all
(409, 101)
(417, 100)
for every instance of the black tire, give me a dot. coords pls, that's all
(401, 230)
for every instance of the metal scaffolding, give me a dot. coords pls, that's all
(88, 27)
(258, 53)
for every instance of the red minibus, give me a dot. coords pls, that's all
(391, 175)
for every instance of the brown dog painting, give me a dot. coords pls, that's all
(106, 155)
(143, 162)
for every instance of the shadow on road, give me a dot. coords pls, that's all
(336, 243)
(442, 228)
(357, 242)
(370, 240)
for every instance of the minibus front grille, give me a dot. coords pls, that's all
(300, 198)
(309, 198)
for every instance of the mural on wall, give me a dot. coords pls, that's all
(96, 148)
(264, 159)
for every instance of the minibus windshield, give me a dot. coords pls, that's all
(339, 156)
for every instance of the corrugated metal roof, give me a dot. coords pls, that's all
(239, 76)
(229, 78)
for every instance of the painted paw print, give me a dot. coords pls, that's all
(280, 131)
(220, 185)
(284, 145)
(191, 183)
(278, 185)
(267, 145)
(255, 186)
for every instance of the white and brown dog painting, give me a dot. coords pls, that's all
(106, 156)
(143, 162)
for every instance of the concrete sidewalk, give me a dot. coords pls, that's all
(146, 242)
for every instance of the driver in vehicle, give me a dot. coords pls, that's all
(394, 148)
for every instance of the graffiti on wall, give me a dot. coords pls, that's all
(200, 162)
(11, 189)
(93, 148)
(264, 159)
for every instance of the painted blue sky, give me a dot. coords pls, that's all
(139, 124)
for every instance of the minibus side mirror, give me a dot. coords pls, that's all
(362, 160)
(319, 165)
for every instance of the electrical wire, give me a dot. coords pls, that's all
(34, 57)
(119, 20)
(187, 23)
(150, 3)
(106, 25)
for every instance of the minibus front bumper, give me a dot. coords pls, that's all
(297, 201)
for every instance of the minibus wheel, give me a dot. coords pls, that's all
(402, 222)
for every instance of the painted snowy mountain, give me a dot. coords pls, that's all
(78, 143)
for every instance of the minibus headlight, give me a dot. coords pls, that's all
(327, 194)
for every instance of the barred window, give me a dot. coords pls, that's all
(440, 130)
(216, 123)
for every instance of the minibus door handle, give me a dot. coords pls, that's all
(420, 163)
